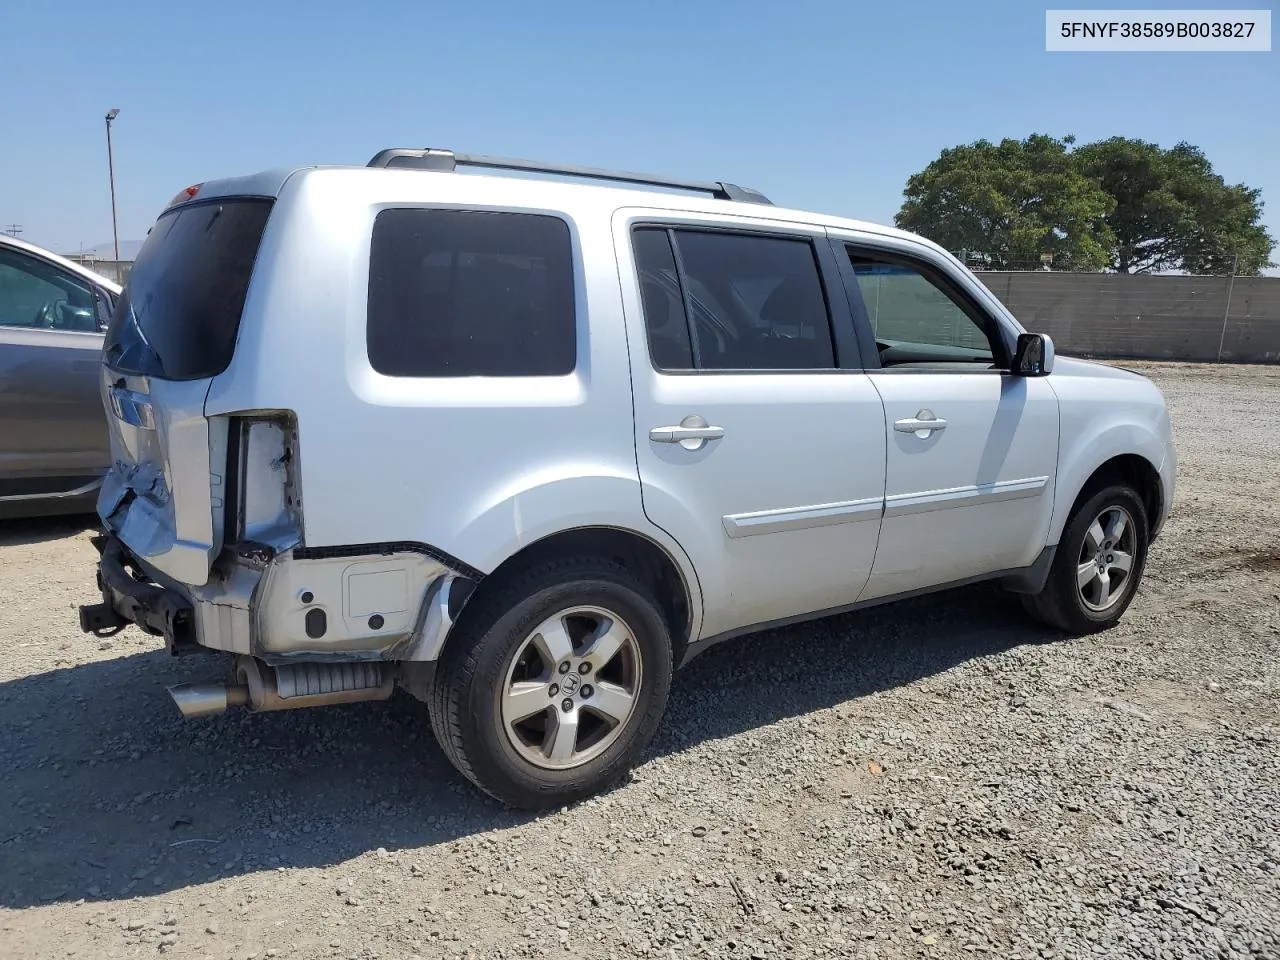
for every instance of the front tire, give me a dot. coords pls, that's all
(1098, 564)
(555, 685)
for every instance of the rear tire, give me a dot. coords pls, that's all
(1098, 564)
(556, 683)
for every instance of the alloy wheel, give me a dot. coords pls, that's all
(572, 685)
(1106, 559)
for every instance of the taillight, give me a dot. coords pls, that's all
(262, 490)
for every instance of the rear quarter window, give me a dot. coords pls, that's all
(460, 293)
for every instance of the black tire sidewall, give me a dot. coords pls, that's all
(1073, 540)
(494, 760)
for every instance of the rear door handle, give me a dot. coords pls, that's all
(692, 433)
(922, 424)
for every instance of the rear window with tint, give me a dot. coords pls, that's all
(459, 293)
(737, 301)
(180, 311)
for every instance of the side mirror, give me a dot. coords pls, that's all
(102, 306)
(1034, 355)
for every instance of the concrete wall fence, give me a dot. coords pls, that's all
(1133, 316)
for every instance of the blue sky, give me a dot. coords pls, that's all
(820, 104)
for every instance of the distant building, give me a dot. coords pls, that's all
(101, 259)
(117, 270)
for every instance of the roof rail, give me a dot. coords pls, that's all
(447, 161)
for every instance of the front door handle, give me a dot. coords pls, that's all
(922, 424)
(692, 433)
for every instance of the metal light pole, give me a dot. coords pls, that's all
(111, 172)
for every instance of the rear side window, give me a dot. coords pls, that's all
(464, 293)
(180, 312)
(732, 301)
(664, 316)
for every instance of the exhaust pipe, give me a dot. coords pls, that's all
(207, 699)
(288, 687)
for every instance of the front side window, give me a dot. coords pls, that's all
(732, 301)
(37, 295)
(463, 293)
(915, 319)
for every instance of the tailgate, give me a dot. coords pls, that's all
(157, 496)
(173, 330)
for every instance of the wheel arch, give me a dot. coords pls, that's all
(1132, 469)
(672, 584)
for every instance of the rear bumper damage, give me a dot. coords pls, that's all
(130, 595)
(393, 603)
(304, 627)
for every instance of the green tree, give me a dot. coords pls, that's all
(1011, 202)
(1119, 204)
(1172, 212)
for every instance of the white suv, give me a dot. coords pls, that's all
(522, 445)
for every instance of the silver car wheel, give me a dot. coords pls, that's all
(1106, 559)
(571, 687)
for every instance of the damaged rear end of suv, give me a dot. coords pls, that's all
(201, 509)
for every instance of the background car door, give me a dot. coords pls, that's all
(757, 453)
(53, 433)
(972, 449)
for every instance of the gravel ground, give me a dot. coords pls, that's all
(936, 778)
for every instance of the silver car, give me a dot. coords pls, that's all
(54, 448)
